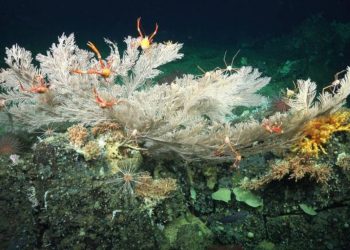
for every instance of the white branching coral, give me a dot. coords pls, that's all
(188, 116)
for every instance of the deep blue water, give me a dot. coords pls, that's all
(34, 23)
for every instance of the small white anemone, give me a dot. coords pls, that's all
(128, 177)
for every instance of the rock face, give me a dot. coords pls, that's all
(54, 198)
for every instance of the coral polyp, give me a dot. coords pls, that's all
(128, 177)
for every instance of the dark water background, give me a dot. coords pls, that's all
(202, 25)
(33, 23)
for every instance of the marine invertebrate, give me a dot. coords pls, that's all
(128, 177)
(343, 161)
(103, 103)
(157, 189)
(187, 116)
(14, 159)
(91, 150)
(46, 132)
(39, 86)
(272, 127)
(119, 146)
(145, 41)
(105, 127)
(105, 68)
(77, 135)
(295, 168)
(236, 155)
(317, 132)
(335, 84)
(229, 69)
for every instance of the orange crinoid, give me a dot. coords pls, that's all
(318, 131)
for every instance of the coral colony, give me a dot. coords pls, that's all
(186, 117)
(126, 162)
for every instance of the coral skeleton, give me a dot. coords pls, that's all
(187, 116)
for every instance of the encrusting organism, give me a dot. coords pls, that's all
(294, 168)
(155, 189)
(77, 135)
(343, 161)
(105, 127)
(91, 150)
(317, 132)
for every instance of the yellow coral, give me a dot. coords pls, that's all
(318, 131)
